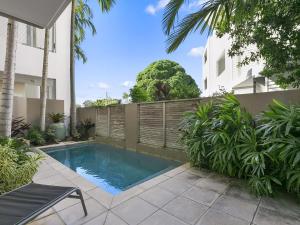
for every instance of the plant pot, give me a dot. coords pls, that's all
(60, 130)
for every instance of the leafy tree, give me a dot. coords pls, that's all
(138, 94)
(88, 103)
(273, 26)
(163, 80)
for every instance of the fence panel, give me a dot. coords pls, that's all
(102, 128)
(175, 111)
(151, 124)
(117, 122)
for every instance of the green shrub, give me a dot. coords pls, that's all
(56, 117)
(213, 134)
(84, 128)
(280, 130)
(36, 136)
(17, 164)
(222, 136)
(50, 136)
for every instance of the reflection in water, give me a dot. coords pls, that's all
(112, 169)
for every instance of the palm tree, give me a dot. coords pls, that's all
(43, 90)
(7, 92)
(210, 15)
(81, 18)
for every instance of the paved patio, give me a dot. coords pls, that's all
(183, 196)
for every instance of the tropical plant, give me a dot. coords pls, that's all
(19, 127)
(17, 164)
(280, 129)
(81, 19)
(43, 90)
(56, 117)
(163, 80)
(208, 16)
(8, 79)
(36, 136)
(223, 137)
(84, 128)
(217, 129)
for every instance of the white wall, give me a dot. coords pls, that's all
(233, 75)
(29, 60)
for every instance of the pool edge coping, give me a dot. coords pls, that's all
(128, 192)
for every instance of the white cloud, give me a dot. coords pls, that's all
(195, 4)
(127, 83)
(153, 9)
(103, 85)
(196, 52)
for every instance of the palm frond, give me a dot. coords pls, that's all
(170, 14)
(211, 13)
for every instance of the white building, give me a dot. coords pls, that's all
(220, 71)
(29, 59)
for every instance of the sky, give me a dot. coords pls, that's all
(128, 39)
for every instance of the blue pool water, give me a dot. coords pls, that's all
(110, 168)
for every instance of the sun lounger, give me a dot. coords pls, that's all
(27, 202)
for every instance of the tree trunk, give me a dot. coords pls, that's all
(43, 90)
(7, 92)
(72, 74)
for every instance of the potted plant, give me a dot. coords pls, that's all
(58, 125)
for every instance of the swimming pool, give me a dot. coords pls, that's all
(112, 169)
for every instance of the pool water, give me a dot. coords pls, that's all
(110, 168)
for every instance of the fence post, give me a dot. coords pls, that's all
(108, 121)
(164, 125)
(138, 123)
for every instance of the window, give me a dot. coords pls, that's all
(30, 36)
(205, 83)
(205, 56)
(35, 37)
(221, 64)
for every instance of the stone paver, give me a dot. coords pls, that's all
(214, 184)
(52, 219)
(101, 196)
(185, 209)
(283, 203)
(201, 195)
(157, 196)
(187, 177)
(175, 185)
(134, 210)
(236, 207)
(214, 217)
(74, 215)
(162, 218)
(183, 196)
(266, 216)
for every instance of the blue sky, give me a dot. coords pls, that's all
(128, 39)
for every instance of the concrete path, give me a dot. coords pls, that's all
(183, 196)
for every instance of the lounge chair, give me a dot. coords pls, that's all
(23, 204)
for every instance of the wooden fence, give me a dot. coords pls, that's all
(153, 127)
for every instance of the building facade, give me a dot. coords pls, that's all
(29, 60)
(222, 72)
